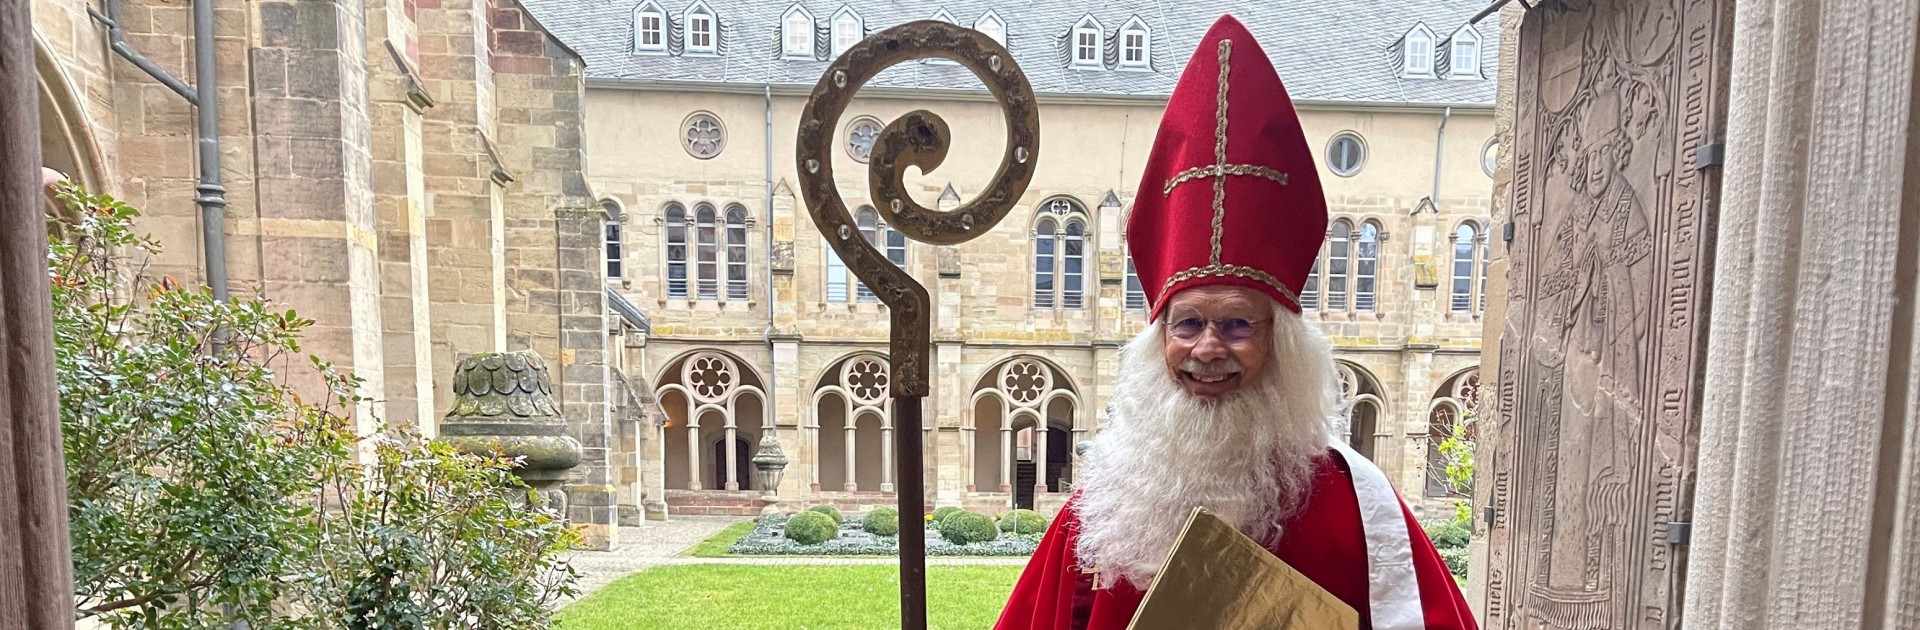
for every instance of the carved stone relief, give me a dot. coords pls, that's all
(1597, 411)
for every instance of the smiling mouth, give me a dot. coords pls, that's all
(1209, 379)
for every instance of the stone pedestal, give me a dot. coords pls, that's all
(503, 406)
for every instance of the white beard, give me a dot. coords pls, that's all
(1249, 457)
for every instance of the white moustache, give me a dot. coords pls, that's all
(1219, 368)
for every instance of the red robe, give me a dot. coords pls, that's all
(1325, 542)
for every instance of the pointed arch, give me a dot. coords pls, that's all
(1364, 407)
(851, 427)
(713, 401)
(1035, 409)
(1449, 414)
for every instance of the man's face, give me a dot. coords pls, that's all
(1217, 338)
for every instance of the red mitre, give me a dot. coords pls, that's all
(1230, 195)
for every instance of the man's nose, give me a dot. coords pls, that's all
(1208, 347)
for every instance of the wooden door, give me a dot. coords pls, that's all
(1618, 109)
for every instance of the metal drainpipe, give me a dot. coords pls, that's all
(1439, 150)
(767, 182)
(204, 96)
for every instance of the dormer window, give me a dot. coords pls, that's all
(1463, 54)
(649, 29)
(993, 26)
(943, 16)
(796, 38)
(1135, 44)
(848, 29)
(702, 30)
(1417, 56)
(1086, 43)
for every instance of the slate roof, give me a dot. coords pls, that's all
(1325, 50)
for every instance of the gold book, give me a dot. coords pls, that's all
(1217, 578)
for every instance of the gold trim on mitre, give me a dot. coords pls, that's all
(1220, 169)
(1236, 271)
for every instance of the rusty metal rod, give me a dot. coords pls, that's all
(910, 486)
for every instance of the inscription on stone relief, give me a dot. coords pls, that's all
(1597, 402)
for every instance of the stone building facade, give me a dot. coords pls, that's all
(694, 108)
(407, 173)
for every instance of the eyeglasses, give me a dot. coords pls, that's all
(1230, 329)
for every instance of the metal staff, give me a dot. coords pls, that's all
(918, 138)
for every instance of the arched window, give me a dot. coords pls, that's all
(1450, 415)
(869, 222)
(1465, 250)
(1339, 263)
(884, 238)
(736, 252)
(1366, 265)
(1136, 293)
(1073, 273)
(796, 39)
(1060, 246)
(1135, 44)
(676, 229)
(1418, 52)
(702, 30)
(848, 29)
(649, 28)
(1044, 253)
(1310, 293)
(615, 250)
(706, 249)
(994, 27)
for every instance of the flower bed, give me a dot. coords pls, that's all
(769, 539)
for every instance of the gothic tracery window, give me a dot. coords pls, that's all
(1060, 255)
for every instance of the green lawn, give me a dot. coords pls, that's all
(790, 597)
(716, 546)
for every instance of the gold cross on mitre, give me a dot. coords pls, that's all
(1220, 168)
(1218, 172)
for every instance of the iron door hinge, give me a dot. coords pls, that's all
(1679, 533)
(1709, 156)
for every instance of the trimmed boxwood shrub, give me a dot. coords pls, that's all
(831, 512)
(811, 528)
(1023, 522)
(881, 522)
(942, 514)
(962, 528)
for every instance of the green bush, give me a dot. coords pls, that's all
(812, 528)
(942, 514)
(962, 528)
(830, 512)
(1456, 559)
(202, 490)
(881, 522)
(1450, 539)
(1023, 522)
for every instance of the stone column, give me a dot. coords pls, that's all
(1006, 454)
(1807, 509)
(1039, 460)
(852, 483)
(693, 455)
(318, 230)
(886, 459)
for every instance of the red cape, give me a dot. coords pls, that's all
(1325, 542)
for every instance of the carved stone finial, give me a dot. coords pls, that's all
(503, 406)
